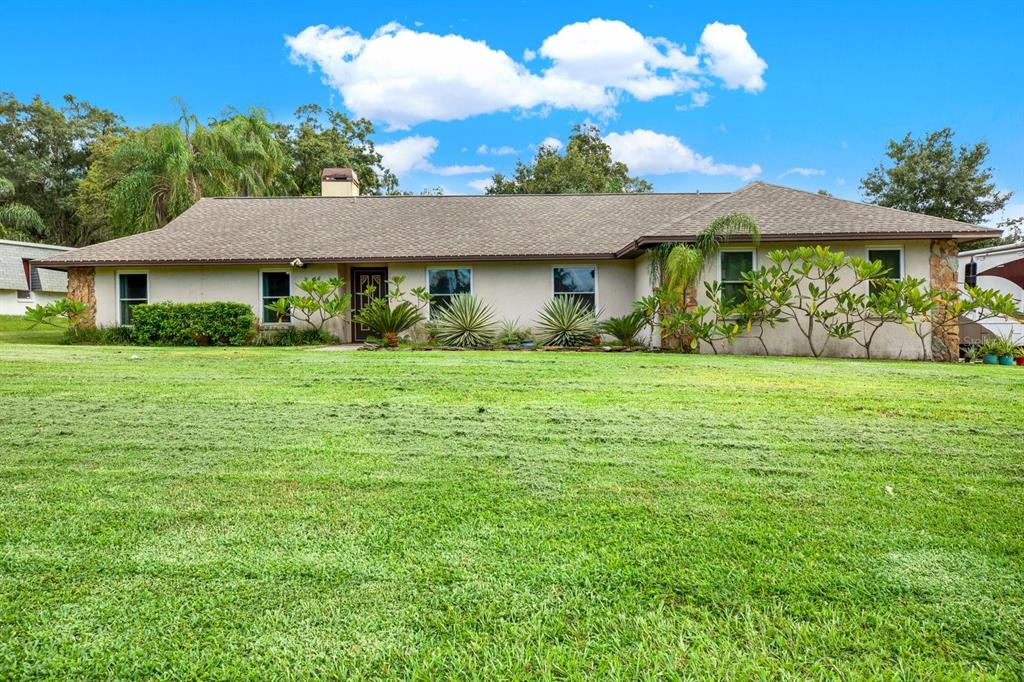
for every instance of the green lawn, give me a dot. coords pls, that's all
(287, 513)
(16, 329)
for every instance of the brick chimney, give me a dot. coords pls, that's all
(339, 182)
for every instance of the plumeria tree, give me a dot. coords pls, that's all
(323, 300)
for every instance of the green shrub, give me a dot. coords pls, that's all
(465, 323)
(193, 324)
(625, 329)
(99, 336)
(566, 321)
(387, 321)
(290, 336)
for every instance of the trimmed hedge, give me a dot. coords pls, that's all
(193, 324)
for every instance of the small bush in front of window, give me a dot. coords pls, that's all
(193, 324)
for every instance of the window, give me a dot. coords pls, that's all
(276, 285)
(891, 258)
(443, 283)
(132, 289)
(971, 274)
(579, 283)
(732, 265)
(24, 295)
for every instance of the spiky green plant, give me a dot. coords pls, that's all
(625, 329)
(465, 323)
(566, 321)
(387, 321)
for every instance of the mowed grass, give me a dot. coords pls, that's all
(16, 329)
(288, 513)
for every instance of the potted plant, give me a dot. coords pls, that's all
(1018, 357)
(972, 353)
(526, 338)
(1006, 349)
(989, 352)
(510, 336)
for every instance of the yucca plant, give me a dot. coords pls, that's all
(465, 323)
(566, 321)
(625, 329)
(387, 321)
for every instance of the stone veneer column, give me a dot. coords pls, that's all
(943, 268)
(82, 288)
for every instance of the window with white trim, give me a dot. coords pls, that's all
(445, 283)
(274, 287)
(132, 290)
(579, 283)
(891, 258)
(732, 266)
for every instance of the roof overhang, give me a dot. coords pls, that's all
(635, 247)
(321, 261)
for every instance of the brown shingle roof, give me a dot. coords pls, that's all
(316, 229)
(783, 213)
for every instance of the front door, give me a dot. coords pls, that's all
(361, 278)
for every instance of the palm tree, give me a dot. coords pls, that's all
(165, 169)
(677, 266)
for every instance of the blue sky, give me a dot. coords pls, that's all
(814, 86)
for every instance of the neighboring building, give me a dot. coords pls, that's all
(997, 267)
(22, 284)
(513, 251)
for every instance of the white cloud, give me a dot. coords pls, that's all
(697, 100)
(728, 56)
(413, 154)
(840, 181)
(608, 56)
(496, 151)
(721, 128)
(804, 172)
(552, 142)
(649, 153)
(480, 185)
(404, 77)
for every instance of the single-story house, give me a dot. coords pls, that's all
(22, 283)
(515, 252)
(1000, 268)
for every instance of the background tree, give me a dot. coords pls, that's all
(17, 221)
(586, 166)
(932, 176)
(44, 153)
(149, 177)
(329, 139)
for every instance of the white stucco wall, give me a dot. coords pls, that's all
(10, 304)
(193, 284)
(519, 289)
(893, 341)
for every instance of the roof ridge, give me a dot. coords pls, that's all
(711, 204)
(15, 242)
(485, 196)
